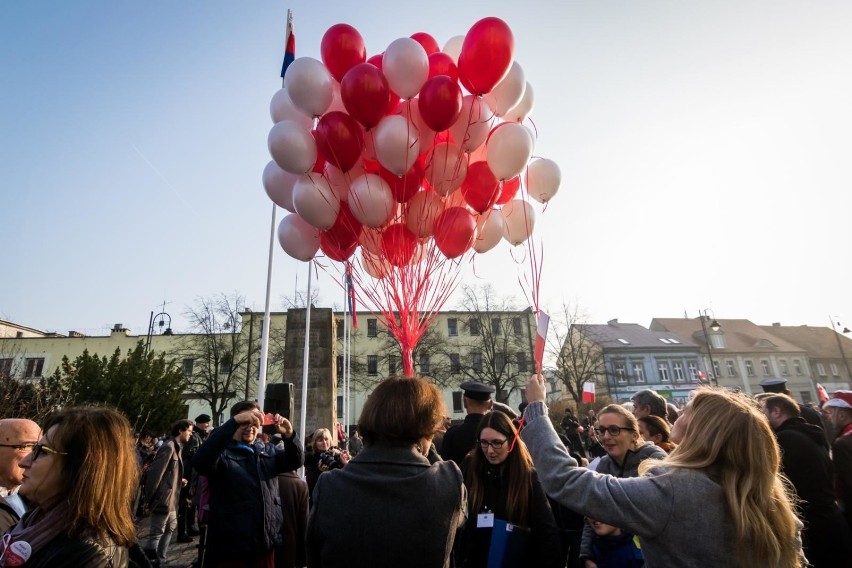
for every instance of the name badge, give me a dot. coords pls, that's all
(485, 520)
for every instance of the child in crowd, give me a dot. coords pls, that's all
(614, 548)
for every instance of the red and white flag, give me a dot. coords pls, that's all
(540, 338)
(823, 394)
(589, 392)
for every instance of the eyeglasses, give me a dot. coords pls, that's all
(496, 444)
(613, 430)
(39, 448)
(28, 447)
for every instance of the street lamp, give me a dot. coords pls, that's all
(161, 322)
(714, 326)
(840, 345)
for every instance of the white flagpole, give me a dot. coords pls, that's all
(343, 367)
(264, 337)
(304, 412)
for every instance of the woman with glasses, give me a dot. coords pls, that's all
(717, 500)
(502, 485)
(81, 475)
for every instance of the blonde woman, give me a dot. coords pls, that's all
(716, 500)
(321, 457)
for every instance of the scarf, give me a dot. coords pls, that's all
(37, 528)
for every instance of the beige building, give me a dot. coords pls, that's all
(828, 353)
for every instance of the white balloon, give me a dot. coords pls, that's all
(310, 86)
(521, 111)
(292, 147)
(543, 179)
(315, 201)
(510, 148)
(279, 185)
(282, 108)
(519, 221)
(411, 110)
(298, 238)
(375, 266)
(406, 66)
(371, 200)
(396, 142)
(453, 47)
(508, 92)
(489, 231)
(423, 209)
(472, 127)
(446, 168)
(339, 181)
(371, 240)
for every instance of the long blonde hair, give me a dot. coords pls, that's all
(729, 438)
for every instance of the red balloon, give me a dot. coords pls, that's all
(442, 64)
(454, 231)
(319, 164)
(510, 188)
(335, 252)
(404, 187)
(342, 48)
(486, 55)
(440, 102)
(480, 187)
(398, 244)
(393, 98)
(427, 41)
(339, 139)
(346, 228)
(376, 60)
(365, 94)
(371, 166)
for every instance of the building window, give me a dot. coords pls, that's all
(6, 367)
(784, 369)
(474, 326)
(424, 364)
(339, 365)
(499, 362)
(820, 369)
(340, 329)
(677, 369)
(716, 372)
(749, 368)
(797, 366)
(458, 406)
(339, 406)
(372, 328)
(620, 373)
(188, 364)
(639, 372)
(521, 358)
(372, 365)
(516, 327)
(693, 370)
(806, 396)
(476, 360)
(225, 364)
(452, 327)
(766, 370)
(834, 372)
(732, 370)
(495, 326)
(663, 368)
(392, 365)
(455, 364)
(34, 367)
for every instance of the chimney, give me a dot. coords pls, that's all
(118, 328)
(73, 333)
(612, 322)
(776, 324)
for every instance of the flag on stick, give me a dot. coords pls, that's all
(540, 337)
(823, 394)
(289, 45)
(589, 392)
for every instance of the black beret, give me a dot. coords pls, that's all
(477, 391)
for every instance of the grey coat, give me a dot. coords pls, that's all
(163, 481)
(678, 514)
(387, 507)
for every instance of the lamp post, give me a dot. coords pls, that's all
(840, 345)
(714, 325)
(161, 322)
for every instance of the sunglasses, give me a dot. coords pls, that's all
(613, 430)
(38, 449)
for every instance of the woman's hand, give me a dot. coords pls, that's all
(343, 457)
(536, 389)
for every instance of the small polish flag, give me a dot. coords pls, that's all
(823, 394)
(540, 337)
(589, 392)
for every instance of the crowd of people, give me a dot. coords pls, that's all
(729, 480)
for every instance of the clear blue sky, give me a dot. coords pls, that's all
(705, 150)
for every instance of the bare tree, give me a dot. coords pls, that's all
(575, 355)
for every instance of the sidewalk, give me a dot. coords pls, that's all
(180, 555)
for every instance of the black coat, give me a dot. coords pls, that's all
(459, 440)
(66, 552)
(245, 505)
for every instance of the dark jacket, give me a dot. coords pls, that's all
(544, 548)
(388, 507)
(245, 507)
(294, 505)
(163, 480)
(459, 440)
(8, 516)
(66, 552)
(616, 552)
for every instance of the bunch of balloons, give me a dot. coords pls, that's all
(414, 156)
